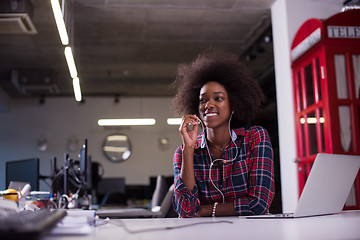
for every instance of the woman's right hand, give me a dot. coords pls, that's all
(189, 134)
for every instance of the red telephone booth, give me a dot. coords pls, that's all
(325, 57)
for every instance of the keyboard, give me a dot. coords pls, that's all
(29, 224)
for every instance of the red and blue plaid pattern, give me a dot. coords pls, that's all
(248, 180)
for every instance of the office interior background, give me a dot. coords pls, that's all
(127, 54)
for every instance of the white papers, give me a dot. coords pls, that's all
(77, 222)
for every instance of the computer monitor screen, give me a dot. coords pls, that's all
(26, 170)
(83, 157)
(85, 166)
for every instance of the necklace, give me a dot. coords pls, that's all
(218, 147)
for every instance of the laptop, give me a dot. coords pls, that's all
(156, 212)
(327, 187)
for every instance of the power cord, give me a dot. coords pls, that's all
(120, 223)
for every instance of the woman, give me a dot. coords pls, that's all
(228, 168)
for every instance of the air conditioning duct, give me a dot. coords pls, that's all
(34, 82)
(15, 17)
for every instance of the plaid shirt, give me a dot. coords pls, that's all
(248, 180)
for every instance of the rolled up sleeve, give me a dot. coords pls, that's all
(261, 176)
(186, 203)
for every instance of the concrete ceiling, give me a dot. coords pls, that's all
(132, 47)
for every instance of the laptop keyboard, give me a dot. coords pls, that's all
(28, 224)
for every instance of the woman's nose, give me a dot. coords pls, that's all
(209, 104)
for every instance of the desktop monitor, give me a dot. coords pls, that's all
(26, 170)
(85, 166)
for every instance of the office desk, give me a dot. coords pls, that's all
(340, 226)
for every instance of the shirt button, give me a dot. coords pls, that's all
(224, 161)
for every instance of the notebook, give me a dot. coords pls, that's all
(327, 187)
(157, 211)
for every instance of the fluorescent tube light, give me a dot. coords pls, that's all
(127, 122)
(312, 120)
(174, 121)
(115, 149)
(70, 61)
(77, 89)
(59, 19)
(116, 138)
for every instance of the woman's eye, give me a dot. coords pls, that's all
(202, 100)
(219, 98)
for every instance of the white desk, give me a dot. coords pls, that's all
(340, 226)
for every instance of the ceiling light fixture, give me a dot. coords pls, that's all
(115, 149)
(127, 122)
(250, 57)
(59, 19)
(77, 89)
(312, 120)
(174, 121)
(60, 22)
(116, 138)
(70, 61)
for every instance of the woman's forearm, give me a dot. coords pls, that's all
(226, 209)
(187, 169)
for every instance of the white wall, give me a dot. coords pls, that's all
(287, 17)
(60, 118)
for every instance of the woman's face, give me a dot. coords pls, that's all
(214, 105)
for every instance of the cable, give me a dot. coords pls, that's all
(60, 201)
(48, 184)
(59, 173)
(52, 202)
(72, 172)
(73, 178)
(73, 182)
(219, 159)
(122, 224)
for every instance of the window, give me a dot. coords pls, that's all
(356, 67)
(345, 127)
(341, 78)
(309, 85)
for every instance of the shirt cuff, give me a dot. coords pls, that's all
(182, 189)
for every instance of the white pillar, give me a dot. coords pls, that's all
(287, 17)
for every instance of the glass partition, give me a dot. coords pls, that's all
(345, 127)
(356, 67)
(309, 85)
(341, 78)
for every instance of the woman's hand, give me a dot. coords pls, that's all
(188, 136)
(189, 133)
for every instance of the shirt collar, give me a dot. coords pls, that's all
(202, 140)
